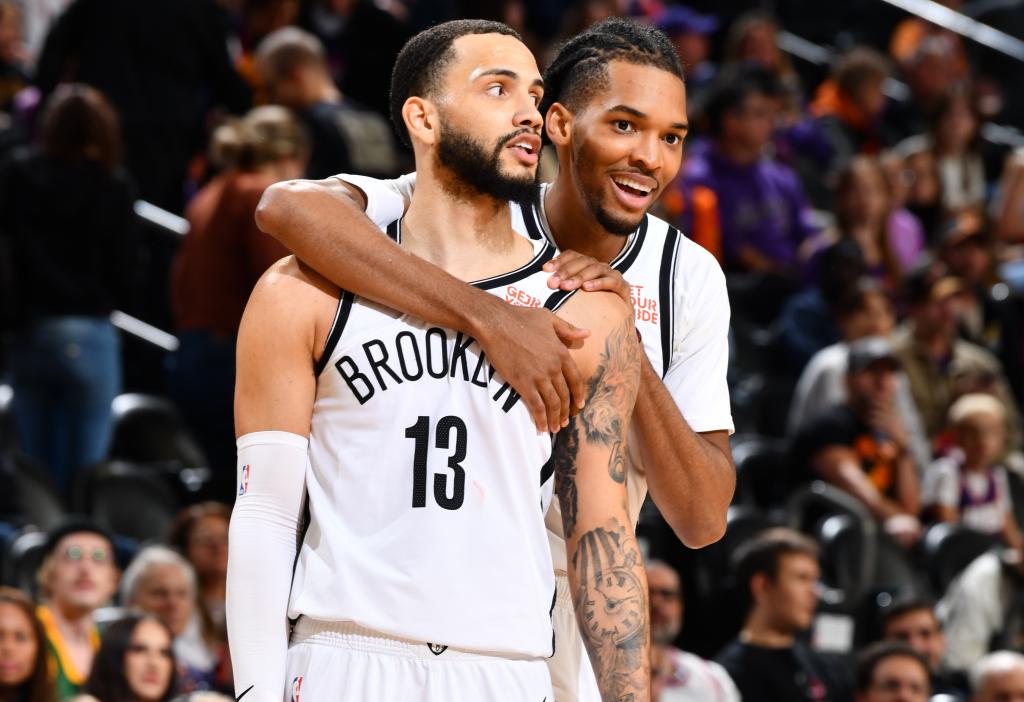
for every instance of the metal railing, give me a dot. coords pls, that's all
(963, 25)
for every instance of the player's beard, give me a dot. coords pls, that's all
(476, 169)
(612, 225)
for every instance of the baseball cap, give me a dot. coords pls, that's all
(929, 282)
(680, 19)
(868, 351)
(75, 524)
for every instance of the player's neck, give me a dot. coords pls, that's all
(467, 234)
(573, 224)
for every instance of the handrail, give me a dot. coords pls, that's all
(161, 218)
(144, 331)
(963, 25)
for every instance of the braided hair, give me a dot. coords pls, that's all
(421, 63)
(580, 68)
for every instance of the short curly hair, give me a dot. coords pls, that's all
(580, 68)
(422, 61)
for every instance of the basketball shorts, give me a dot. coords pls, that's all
(571, 674)
(342, 662)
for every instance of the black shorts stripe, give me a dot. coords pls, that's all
(340, 320)
(666, 285)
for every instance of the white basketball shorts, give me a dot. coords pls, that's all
(571, 673)
(342, 662)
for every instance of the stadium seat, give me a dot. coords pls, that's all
(762, 471)
(34, 499)
(8, 434)
(129, 500)
(148, 429)
(949, 548)
(844, 554)
(22, 559)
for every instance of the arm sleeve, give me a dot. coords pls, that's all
(263, 540)
(386, 200)
(696, 376)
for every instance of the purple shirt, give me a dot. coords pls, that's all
(761, 205)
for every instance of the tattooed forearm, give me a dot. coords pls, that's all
(612, 610)
(611, 393)
(563, 457)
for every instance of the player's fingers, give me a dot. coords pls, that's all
(568, 332)
(613, 283)
(538, 412)
(553, 405)
(564, 396)
(574, 380)
(593, 270)
(560, 268)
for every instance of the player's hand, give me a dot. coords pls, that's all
(530, 349)
(571, 270)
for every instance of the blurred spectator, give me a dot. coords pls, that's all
(1009, 206)
(39, 15)
(753, 38)
(74, 253)
(778, 572)
(965, 250)
(345, 137)
(807, 322)
(892, 672)
(24, 675)
(13, 74)
(920, 176)
(954, 140)
(77, 576)
(940, 365)
(259, 19)
(930, 73)
(969, 485)
(161, 582)
(220, 260)
(134, 664)
(362, 42)
(164, 64)
(910, 33)
(694, 210)
(906, 232)
(200, 533)
(913, 621)
(998, 677)
(850, 105)
(861, 445)
(678, 676)
(863, 312)
(981, 610)
(691, 34)
(767, 217)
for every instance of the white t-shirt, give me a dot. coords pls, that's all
(690, 678)
(982, 498)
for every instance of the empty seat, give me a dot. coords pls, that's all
(30, 495)
(130, 500)
(949, 548)
(844, 556)
(22, 559)
(148, 429)
(762, 471)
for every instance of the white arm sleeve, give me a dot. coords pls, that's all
(386, 200)
(263, 539)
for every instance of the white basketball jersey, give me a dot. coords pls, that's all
(427, 484)
(648, 262)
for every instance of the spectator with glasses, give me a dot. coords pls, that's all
(78, 575)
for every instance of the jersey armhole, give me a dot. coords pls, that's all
(337, 327)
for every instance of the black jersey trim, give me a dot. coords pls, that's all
(559, 298)
(533, 227)
(546, 253)
(628, 255)
(340, 320)
(394, 231)
(666, 289)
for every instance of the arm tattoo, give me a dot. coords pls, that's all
(563, 455)
(612, 391)
(612, 609)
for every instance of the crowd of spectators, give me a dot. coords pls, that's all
(865, 198)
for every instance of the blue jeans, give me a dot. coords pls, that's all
(65, 372)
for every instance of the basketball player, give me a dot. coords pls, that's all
(425, 571)
(615, 106)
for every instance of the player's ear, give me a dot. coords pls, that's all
(421, 120)
(558, 124)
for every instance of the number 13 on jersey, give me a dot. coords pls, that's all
(443, 439)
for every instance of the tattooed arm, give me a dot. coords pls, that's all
(606, 572)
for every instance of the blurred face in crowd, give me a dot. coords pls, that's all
(165, 591)
(149, 662)
(625, 144)
(692, 47)
(666, 604)
(790, 599)
(80, 574)
(752, 124)
(870, 98)
(957, 126)
(937, 317)
(875, 386)
(922, 179)
(982, 438)
(874, 317)
(18, 645)
(920, 630)
(969, 259)
(865, 197)
(488, 135)
(1002, 686)
(207, 547)
(897, 679)
(760, 46)
(931, 76)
